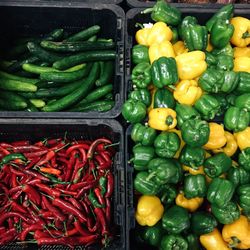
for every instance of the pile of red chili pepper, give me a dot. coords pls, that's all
(56, 192)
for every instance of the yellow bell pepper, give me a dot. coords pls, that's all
(231, 145)
(178, 132)
(187, 92)
(243, 138)
(190, 204)
(149, 210)
(209, 45)
(217, 138)
(158, 50)
(158, 33)
(193, 171)
(179, 48)
(213, 241)
(237, 234)
(191, 65)
(240, 36)
(242, 64)
(239, 52)
(162, 118)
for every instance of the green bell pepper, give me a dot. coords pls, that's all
(238, 176)
(195, 132)
(164, 12)
(164, 72)
(227, 50)
(167, 144)
(167, 194)
(227, 214)
(226, 13)
(193, 242)
(220, 191)
(175, 220)
(141, 75)
(231, 99)
(175, 37)
(217, 164)
(244, 83)
(145, 185)
(142, 95)
(142, 134)
(140, 54)
(134, 111)
(225, 62)
(243, 102)
(195, 186)
(184, 113)
(192, 156)
(163, 98)
(236, 119)
(142, 156)
(188, 20)
(173, 242)
(211, 59)
(244, 159)
(207, 106)
(231, 80)
(202, 223)
(221, 33)
(224, 105)
(243, 193)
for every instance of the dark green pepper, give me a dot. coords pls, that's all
(224, 105)
(231, 99)
(217, 164)
(220, 191)
(188, 20)
(192, 156)
(231, 80)
(134, 111)
(244, 159)
(173, 242)
(195, 132)
(142, 95)
(211, 59)
(236, 119)
(207, 106)
(175, 220)
(195, 186)
(163, 98)
(202, 223)
(142, 134)
(10, 157)
(167, 194)
(175, 37)
(164, 72)
(238, 176)
(225, 62)
(193, 242)
(141, 75)
(167, 144)
(243, 193)
(164, 12)
(243, 102)
(244, 83)
(140, 54)
(227, 50)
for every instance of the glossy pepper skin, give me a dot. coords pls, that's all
(140, 54)
(195, 132)
(239, 52)
(175, 220)
(193, 242)
(227, 50)
(227, 214)
(202, 223)
(141, 75)
(225, 62)
(238, 176)
(167, 144)
(134, 111)
(164, 72)
(236, 119)
(242, 64)
(243, 101)
(149, 210)
(217, 164)
(244, 159)
(188, 20)
(224, 104)
(195, 186)
(142, 95)
(179, 48)
(172, 242)
(220, 191)
(163, 98)
(243, 193)
(167, 194)
(164, 12)
(142, 134)
(243, 138)
(190, 204)
(207, 106)
(192, 156)
(221, 33)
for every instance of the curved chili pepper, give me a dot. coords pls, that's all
(71, 232)
(53, 141)
(101, 218)
(25, 148)
(11, 214)
(32, 163)
(52, 192)
(25, 232)
(33, 195)
(76, 203)
(85, 206)
(79, 185)
(84, 189)
(17, 195)
(5, 151)
(110, 185)
(63, 191)
(10, 157)
(79, 228)
(8, 236)
(94, 145)
(46, 214)
(106, 156)
(17, 207)
(77, 146)
(91, 228)
(102, 163)
(83, 240)
(16, 172)
(53, 241)
(99, 196)
(46, 158)
(40, 234)
(36, 175)
(6, 145)
(36, 154)
(70, 165)
(108, 210)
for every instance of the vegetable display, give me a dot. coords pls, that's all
(189, 143)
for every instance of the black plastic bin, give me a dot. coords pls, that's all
(23, 18)
(35, 130)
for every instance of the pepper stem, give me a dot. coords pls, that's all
(150, 176)
(148, 10)
(235, 242)
(246, 35)
(111, 145)
(131, 160)
(169, 120)
(139, 25)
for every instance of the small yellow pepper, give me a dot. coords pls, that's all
(158, 50)
(237, 234)
(209, 45)
(162, 118)
(217, 138)
(231, 146)
(243, 138)
(179, 48)
(193, 171)
(239, 52)
(241, 33)
(191, 65)
(158, 33)
(242, 64)
(178, 132)
(190, 204)
(187, 92)
(149, 210)
(213, 241)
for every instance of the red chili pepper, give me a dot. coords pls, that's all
(71, 232)
(5, 151)
(92, 228)
(79, 185)
(36, 175)
(17, 195)
(106, 156)
(6, 145)
(16, 172)
(33, 182)
(31, 228)
(21, 143)
(101, 218)
(94, 145)
(46, 214)
(36, 154)
(2, 230)
(40, 234)
(70, 165)
(67, 192)
(79, 228)
(25, 148)
(84, 189)
(10, 223)
(53, 141)
(53, 162)
(78, 166)
(108, 210)
(17, 207)
(50, 170)
(102, 163)
(11, 214)
(99, 196)
(33, 195)
(83, 240)
(76, 203)
(53, 241)
(8, 236)
(50, 191)
(110, 185)
(13, 181)
(70, 220)
(46, 158)
(32, 163)
(77, 146)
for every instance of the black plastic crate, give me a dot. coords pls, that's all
(23, 18)
(36, 129)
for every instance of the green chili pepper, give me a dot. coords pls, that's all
(173, 241)
(141, 75)
(103, 184)
(195, 186)
(140, 54)
(244, 159)
(94, 200)
(10, 157)
(142, 95)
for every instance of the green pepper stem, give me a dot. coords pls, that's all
(169, 120)
(150, 176)
(148, 10)
(139, 25)
(131, 160)
(246, 35)
(235, 242)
